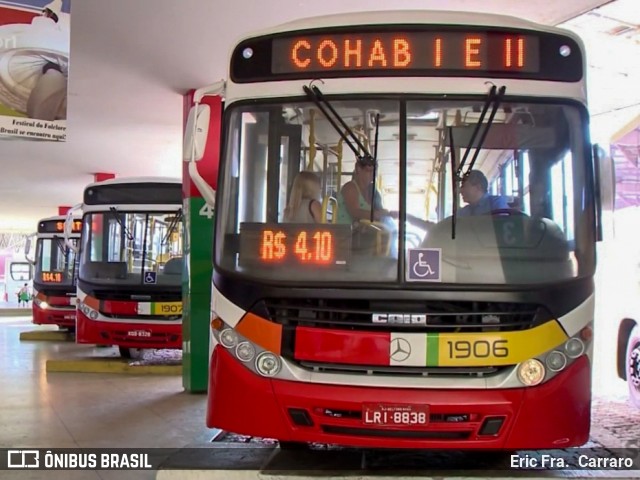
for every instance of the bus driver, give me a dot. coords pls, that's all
(474, 191)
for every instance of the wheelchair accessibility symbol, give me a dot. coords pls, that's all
(150, 278)
(424, 265)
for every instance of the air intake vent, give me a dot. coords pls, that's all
(405, 315)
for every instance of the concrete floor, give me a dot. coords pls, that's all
(66, 410)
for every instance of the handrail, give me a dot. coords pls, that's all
(325, 209)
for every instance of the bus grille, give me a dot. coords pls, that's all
(395, 371)
(441, 316)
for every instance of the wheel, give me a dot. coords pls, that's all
(293, 445)
(125, 352)
(633, 366)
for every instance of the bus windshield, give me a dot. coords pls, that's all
(132, 248)
(55, 261)
(523, 214)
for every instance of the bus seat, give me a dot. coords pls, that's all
(173, 266)
(106, 270)
(514, 249)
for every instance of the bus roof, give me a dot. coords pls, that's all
(58, 218)
(410, 17)
(130, 180)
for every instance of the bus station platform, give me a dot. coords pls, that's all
(108, 360)
(47, 335)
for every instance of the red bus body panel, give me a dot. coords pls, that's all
(160, 335)
(555, 414)
(61, 311)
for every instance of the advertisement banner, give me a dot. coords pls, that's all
(34, 68)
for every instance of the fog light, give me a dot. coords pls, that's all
(228, 338)
(574, 347)
(216, 324)
(267, 364)
(556, 361)
(245, 351)
(531, 372)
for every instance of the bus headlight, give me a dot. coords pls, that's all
(268, 364)
(245, 351)
(93, 315)
(574, 347)
(556, 361)
(228, 338)
(40, 303)
(531, 372)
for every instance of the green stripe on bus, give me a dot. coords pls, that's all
(432, 349)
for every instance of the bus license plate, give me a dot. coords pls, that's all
(395, 414)
(167, 308)
(139, 333)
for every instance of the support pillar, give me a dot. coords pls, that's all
(198, 246)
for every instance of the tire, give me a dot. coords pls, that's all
(293, 446)
(633, 366)
(125, 352)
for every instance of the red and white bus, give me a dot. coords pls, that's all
(403, 317)
(130, 264)
(54, 286)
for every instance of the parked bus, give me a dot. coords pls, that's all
(398, 316)
(54, 286)
(130, 273)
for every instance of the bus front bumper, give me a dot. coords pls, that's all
(63, 317)
(128, 335)
(555, 414)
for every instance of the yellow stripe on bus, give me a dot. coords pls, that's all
(492, 348)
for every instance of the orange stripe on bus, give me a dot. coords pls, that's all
(262, 332)
(92, 302)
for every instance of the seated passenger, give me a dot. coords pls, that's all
(304, 205)
(354, 198)
(474, 191)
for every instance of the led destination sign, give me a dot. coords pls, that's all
(294, 245)
(57, 226)
(408, 51)
(52, 277)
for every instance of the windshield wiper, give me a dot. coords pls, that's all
(317, 97)
(375, 165)
(61, 244)
(125, 230)
(454, 186)
(172, 226)
(493, 100)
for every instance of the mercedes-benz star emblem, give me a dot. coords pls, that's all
(400, 349)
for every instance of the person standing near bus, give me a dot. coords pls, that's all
(24, 295)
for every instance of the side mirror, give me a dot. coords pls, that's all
(196, 132)
(27, 249)
(607, 181)
(605, 186)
